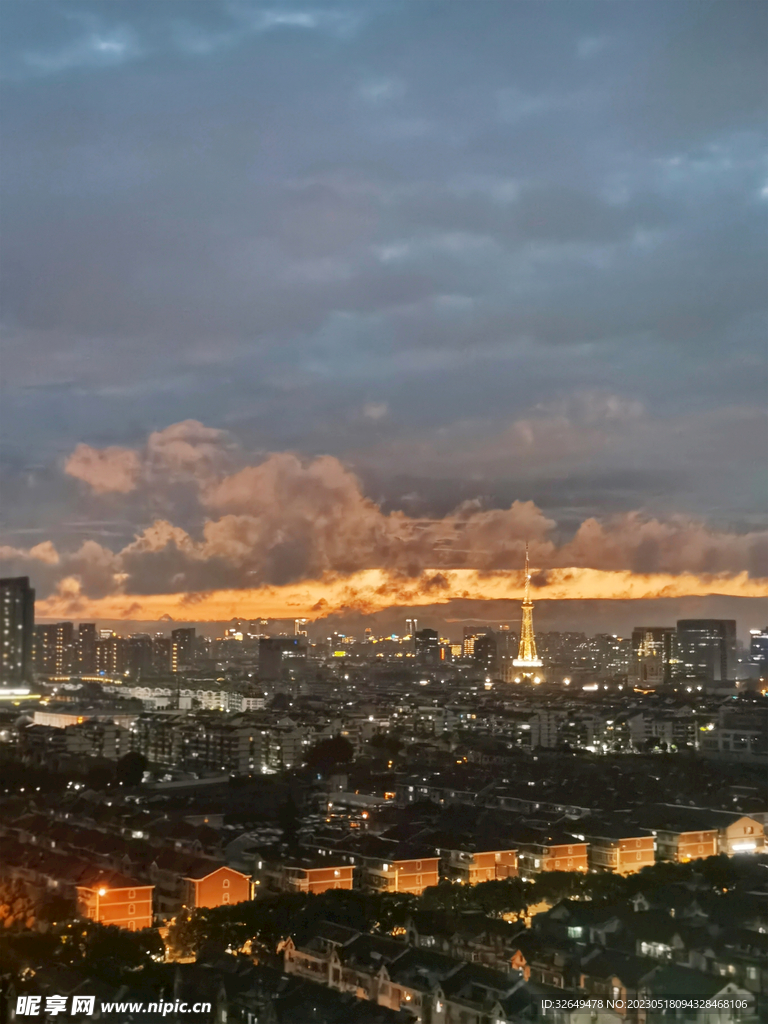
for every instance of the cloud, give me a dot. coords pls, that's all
(374, 590)
(105, 470)
(288, 522)
(375, 410)
(182, 452)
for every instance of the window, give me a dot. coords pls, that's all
(337, 873)
(574, 932)
(615, 992)
(131, 894)
(225, 898)
(557, 863)
(131, 908)
(225, 884)
(570, 849)
(639, 856)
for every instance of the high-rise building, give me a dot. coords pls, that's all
(17, 627)
(758, 647)
(427, 645)
(111, 655)
(183, 652)
(162, 655)
(527, 661)
(140, 655)
(86, 648)
(275, 652)
(707, 648)
(654, 655)
(55, 653)
(471, 635)
(486, 653)
(300, 627)
(506, 646)
(411, 627)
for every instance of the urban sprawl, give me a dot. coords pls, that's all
(301, 828)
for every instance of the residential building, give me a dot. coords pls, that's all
(17, 625)
(114, 899)
(213, 885)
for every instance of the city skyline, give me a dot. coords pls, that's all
(404, 288)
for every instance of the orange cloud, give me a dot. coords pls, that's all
(374, 590)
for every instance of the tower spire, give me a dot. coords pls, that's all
(527, 658)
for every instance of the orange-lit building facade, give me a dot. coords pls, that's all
(621, 855)
(549, 856)
(308, 876)
(682, 847)
(473, 866)
(217, 888)
(412, 876)
(116, 900)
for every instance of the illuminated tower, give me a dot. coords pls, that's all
(527, 659)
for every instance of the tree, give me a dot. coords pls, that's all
(130, 768)
(383, 743)
(99, 776)
(326, 754)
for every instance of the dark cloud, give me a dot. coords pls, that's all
(429, 239)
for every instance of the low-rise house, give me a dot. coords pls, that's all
(111, 898)
(672, 982)
(549, 850)
(617, 847)
(470, 860)
(211, 885)
(582, 922)
(314, 875)
(613, 975)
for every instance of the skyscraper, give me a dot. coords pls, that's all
(654, 655)
(527, 660)
(486, 653)
(17, 626)
(86, 648)
(707, 648)
(183, 640)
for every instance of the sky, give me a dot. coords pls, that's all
(327, 309)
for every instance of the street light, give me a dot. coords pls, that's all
(99, 893)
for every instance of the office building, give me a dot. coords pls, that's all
(17, 626)
(707, 648)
